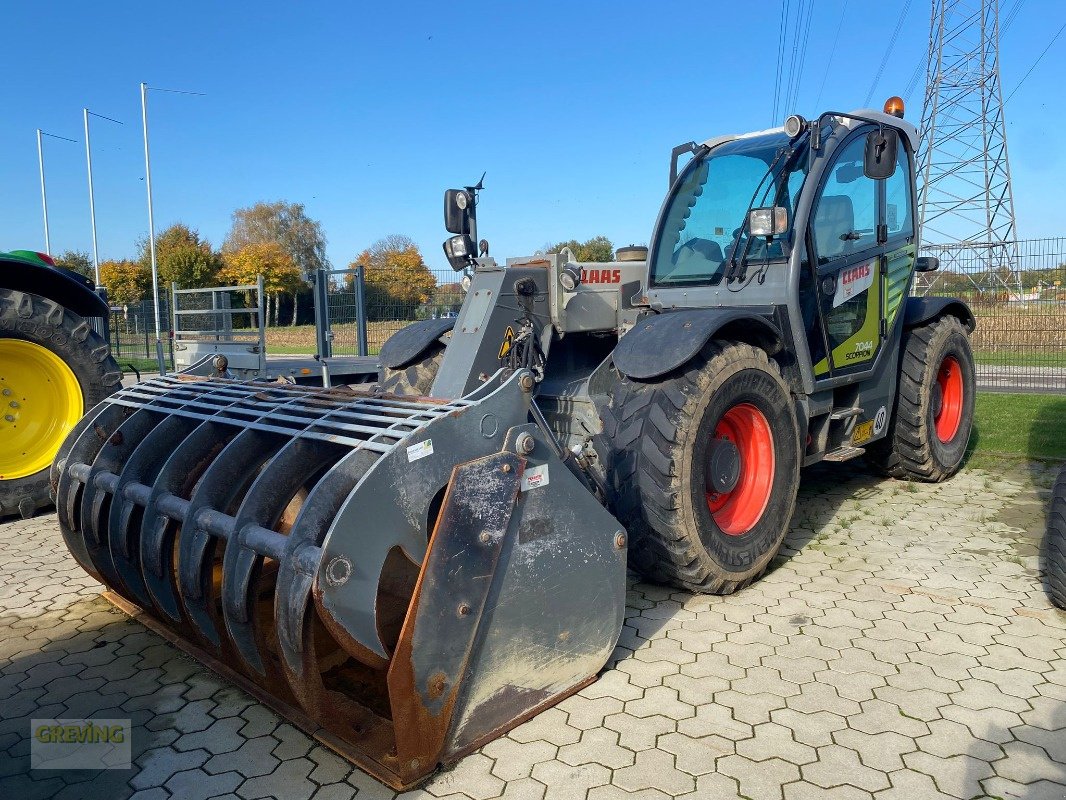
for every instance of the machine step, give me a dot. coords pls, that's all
(845, 413)
(844, 453)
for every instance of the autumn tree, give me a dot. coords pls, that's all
(269, 259)
(182, 257)
(284, 224)
(598, 248)
(77, 261)
(397, 278)
(127, 282)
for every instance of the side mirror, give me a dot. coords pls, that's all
(926, 264)
(768, 222)
(879, 159)
(458, 209)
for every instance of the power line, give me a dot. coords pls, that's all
(1039, 58)
(780, 59)
(1011, 15)
(792, 100)
(832, 55)
(888, 52)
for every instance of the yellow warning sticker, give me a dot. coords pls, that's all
(508, 340)
(864, 431)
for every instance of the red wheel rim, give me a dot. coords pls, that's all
(738, 510)
(948, 416)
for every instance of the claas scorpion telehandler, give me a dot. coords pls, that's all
(409, 570)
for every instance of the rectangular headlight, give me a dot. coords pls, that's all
(768, 221)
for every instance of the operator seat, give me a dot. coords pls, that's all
(834, 219)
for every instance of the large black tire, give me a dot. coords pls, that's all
(1055, 544)
(913, 449)
(660, 434)
(45, 323)
(416, 379)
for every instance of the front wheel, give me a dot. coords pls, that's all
(53, 368)
(933, 413)
(705, 468)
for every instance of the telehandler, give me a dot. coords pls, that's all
(409, 571)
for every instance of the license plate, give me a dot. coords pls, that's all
(864, 431)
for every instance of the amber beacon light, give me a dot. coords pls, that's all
(894, 106)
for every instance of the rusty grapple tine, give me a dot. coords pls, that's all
(167, 508)
(267, 498)
(218, 492)
(131, 495)
(299, 564)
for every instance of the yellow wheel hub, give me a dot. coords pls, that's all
(40, 401)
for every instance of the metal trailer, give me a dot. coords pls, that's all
(220, 331)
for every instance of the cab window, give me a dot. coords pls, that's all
(898, 198)
(845, 220)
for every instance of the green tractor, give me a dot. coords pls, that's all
(53, 368)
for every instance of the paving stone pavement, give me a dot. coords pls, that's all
(901, 647)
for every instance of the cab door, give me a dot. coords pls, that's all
(848, 257)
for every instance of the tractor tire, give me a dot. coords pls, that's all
(933, 412)
(1055, 544)
(662, 436)
(416, 379)
(53, 368)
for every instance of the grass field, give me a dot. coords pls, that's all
(1018, 427)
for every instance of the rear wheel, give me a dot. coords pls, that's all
(53, 368)
(705, 468)
(931, 422)
(1055, 544)
(415, 379)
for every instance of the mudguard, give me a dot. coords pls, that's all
(663, 342)
(62, 286)
(407, 344)
(920, 310)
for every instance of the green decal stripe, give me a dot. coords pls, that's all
(900, 263)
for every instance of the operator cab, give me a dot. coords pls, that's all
(813, 223)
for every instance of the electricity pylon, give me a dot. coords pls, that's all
(966, 206)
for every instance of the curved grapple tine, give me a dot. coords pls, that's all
(81, 447)
(173, 485)
(217, 494)
(131, 495)
(253, 539)
(299, 564)
(98, 502)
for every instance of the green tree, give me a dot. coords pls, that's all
(182, 257)
(598, 248)
(397, 278)
(77, 261)
(127, 282)
(285, 224)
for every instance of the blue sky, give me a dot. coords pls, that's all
(366, 114)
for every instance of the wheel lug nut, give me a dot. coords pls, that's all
(9, 417)
(7, 392)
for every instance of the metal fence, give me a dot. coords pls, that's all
(1018, 293)
(133, 333)
(389, 305)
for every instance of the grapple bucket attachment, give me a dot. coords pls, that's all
(404, 578)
